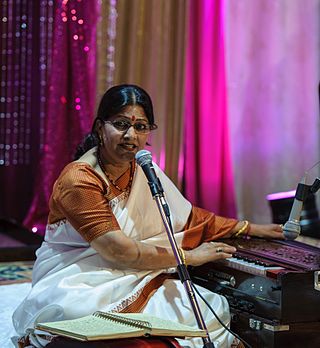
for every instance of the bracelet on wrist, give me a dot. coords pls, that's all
(244, 229)
(183, 256)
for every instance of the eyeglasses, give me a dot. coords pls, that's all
(139, 127)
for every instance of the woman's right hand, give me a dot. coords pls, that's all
(125, 252)
(209, 252)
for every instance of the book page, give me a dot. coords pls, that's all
(165, 327)
(91, 328)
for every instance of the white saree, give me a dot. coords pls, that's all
(71, 280)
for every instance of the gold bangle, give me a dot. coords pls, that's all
(243, 229)
(183, 256)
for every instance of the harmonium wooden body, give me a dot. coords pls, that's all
(273, 289)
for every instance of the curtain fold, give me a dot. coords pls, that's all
(273, 78)
(70, 97)
(142, 42)
(208, 177)
(106, 38)
(149, 51)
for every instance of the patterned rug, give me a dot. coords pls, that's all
(15, 272)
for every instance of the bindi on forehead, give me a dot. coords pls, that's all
(135, 117)
(133, 113)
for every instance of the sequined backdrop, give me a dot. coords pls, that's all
(25, 48)
(48, 93)
(19, 54)
(71, 96)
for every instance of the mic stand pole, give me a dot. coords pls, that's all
(181, 268)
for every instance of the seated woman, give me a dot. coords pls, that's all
(105, 246)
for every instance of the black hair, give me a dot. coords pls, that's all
(112, 102)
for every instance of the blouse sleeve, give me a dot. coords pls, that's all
(204, 226)
(79, 195)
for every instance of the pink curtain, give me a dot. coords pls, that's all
(273, 68)
(208, 175)
(71, 97)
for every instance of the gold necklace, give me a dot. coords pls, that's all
(102, 167)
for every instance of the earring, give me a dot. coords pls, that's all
(100, 140)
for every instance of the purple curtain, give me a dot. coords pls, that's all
(208, 178)
(70, 97)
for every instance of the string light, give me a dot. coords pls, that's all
(26, 53)
(46, 33)
(23, 53)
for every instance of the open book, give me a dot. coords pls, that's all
(103, 326)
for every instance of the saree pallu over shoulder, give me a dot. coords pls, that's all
(70, 279)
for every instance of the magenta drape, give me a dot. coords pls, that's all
(71, 96)
(208, 175)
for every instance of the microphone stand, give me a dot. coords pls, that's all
(158, 196)
(291, 228)
(303, 190)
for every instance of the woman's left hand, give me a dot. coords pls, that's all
(266, 231)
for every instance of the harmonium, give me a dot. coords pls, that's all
(273, 289)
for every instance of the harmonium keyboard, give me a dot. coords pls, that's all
(273, 289)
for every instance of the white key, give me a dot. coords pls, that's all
(249, 267)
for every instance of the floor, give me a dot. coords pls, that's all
(17, 243)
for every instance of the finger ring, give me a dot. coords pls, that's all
(281, 226)
(219, 250)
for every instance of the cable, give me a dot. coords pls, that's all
(308, 170)
(219, 320)
(306, 173)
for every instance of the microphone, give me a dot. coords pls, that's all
(292, 228)
(144, 160)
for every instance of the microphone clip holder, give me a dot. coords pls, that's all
(304, 190)
(156, 188)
